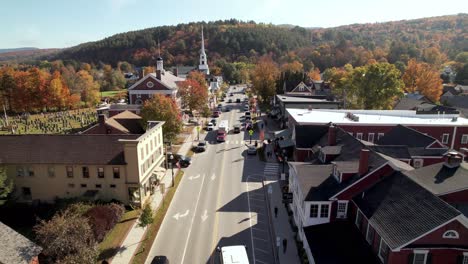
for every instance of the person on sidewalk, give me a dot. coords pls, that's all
(285, 245)
(276, 212)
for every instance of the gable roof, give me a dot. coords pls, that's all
(402, 135)
(301, 87)
(15, 248)
(400, 210)
(312, 178)
(125, 122)
(63, 149)
(407, 104)
(394, 151)
(308, 135)
(440, 179)
(168, 80)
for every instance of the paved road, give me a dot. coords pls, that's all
(219, 202)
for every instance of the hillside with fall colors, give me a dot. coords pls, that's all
(434, 40)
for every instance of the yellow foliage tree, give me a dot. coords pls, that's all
(422, 78)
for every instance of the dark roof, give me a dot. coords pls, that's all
(308, 135)
(407, 104)
(310, 179)
(402, 135)
(338, 242)
(427, 152)
(15, 248)
(400, 210)
(286, 133)
(347, 166)
(398, 152)
(440, 179)
(62, 149)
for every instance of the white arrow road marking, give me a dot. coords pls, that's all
(204, 216)
(194, 177)
(213, 177)
(179, 215)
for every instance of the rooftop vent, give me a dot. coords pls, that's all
(352, 117)
(455, 119)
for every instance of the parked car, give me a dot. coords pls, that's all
(222, 99)
(230, 101)
(183, 160)
(160, 260)
(238, 100)
(201, 147)
(247, 114)
(213, 121)
(216, 114)
(227, 109)
(246, 107)
(252, 150)
(210, 127)
(220, 105)
(237, 129)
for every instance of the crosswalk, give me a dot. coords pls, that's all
(271, 170)
(234, 142)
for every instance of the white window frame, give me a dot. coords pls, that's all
(420, 161)
(420, 252)
(380, 250)
(445, 138)
(369, 136)
(336, 173)
(380, 135)
(359, 136)
(138, 96)
(464, 139)
(445, 235)
(465, 258)
(345, 209)
(358, 217)
(367, 233)
(320, 211)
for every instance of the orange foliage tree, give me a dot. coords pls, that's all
(193, 95)
(314, 74)
(423, 78)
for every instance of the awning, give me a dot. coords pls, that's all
(285, 143)
(285, 133)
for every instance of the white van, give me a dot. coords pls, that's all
(234, 255)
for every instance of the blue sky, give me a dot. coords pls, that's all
(65, 23)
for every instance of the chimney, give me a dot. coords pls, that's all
(140, 73)
(101, 119)
(176, 71)
(452, 159)
(363, 162)
(158, 74)
(331, 135)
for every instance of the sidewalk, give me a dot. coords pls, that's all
(136, 233)
(281, 225)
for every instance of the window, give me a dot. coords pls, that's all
(341, 209)
(99, 186)
(324, 209)
(51, 171)
(147, 149)
(465, 258)
(445, 138)
(370, 137)
(112, 186)
(138, 95)
(149, 84)
(84, 185)
(116, 172)
(26, 191)
(100, 172)
(420, 256)
(85, 172)
(358, 219)
(142, 154)
(359, 136)
(383, 251)
(464, 139)
(30, 171)
(336, 172)
(69, 171)
(451, 234)
(19, 171)
(418, 163)
(380, 135)
(314, 210)
(370, 234)
(71, 185)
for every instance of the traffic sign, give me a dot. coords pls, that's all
(251, 132)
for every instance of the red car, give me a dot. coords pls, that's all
(216, 114)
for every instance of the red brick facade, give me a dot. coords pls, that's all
(456, 197)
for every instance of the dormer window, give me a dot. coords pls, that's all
(451, 234)
(336, 173)
(321, 156)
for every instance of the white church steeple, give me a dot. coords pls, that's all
(203, 59)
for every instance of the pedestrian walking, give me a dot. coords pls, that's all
(276, 212)
(285, 245)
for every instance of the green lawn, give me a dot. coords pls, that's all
(111, 243)
(145, 246)
(112, 93)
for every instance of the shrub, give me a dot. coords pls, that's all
(146, 217)
(103, 218)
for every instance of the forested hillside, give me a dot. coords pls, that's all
(434, 40)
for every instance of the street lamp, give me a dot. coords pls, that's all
(172, 168)
(284, 158)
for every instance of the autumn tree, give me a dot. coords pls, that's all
(198, 77)
(162, 108)
(423, 78)
(7, 86)
(264, 80)
(88, 88)
(67, 238)
(147, 70)
(314, 74)
(6, 185)
(192, 94)
(462, 75)
(294, 66)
